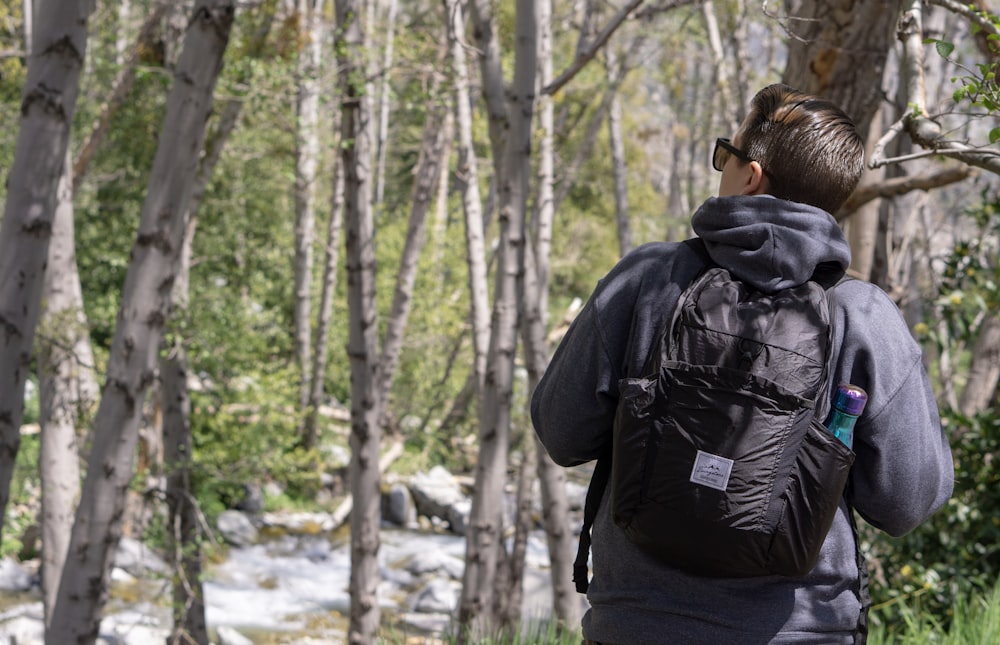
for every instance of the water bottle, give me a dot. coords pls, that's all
(848, 403)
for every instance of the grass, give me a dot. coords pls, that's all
(974, 620)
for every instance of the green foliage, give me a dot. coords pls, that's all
(957, 552)
(978, 85)
(25, 489)
(244, 433)
(974, 618)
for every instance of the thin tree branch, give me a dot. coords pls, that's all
(896, 186)
(586, 54)
(966, 11)
(923, 130)
(119, 94)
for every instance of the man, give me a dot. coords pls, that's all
(793, 161)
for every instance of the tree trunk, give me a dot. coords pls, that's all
(723, 96)
(484, 535)
(68, 390)
(984, 373)
(840, 52)
(491, 71)
(327, 293)
(430, 160)
(552, 478)
(467, 178)
(619, 170)
(124, 22)
(510, 596)
(385, 101)
(28, 13)
(306, 160)
(183, 531)
(47, 107)
(146, 300)
(362, 338)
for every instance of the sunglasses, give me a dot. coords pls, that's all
(724, 148)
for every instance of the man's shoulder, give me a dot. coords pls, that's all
(645, 265)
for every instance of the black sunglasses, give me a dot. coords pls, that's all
(724, 148)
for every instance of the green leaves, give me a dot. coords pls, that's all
(943, 47)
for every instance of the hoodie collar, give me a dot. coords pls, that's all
(770, 243)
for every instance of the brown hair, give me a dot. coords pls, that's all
(810, 148)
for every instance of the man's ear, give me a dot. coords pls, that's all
(755, 180)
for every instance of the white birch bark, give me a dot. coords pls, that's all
(362, 337)
(484, 536)
(47, 107)
(385, 101)
(491, 73)
(146, 301)
(121, 38)
(68, 390)
(551, 478)
(619, 168)
(723, 97)
(467, 174)
(28, 14)
(306, 161)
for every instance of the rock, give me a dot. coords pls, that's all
(299, 523)
(138, 559)
(23, 625)
(438, 596)
(31, 543)
(253, 499)
(458, 515)
(400, 509)
(229, 636)
(14, 577)
(436, 562)
(436, 494)
(236, 528)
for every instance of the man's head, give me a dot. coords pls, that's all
(794, 146)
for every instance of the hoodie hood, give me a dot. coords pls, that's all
(771, 243)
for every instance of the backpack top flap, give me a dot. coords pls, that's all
(783, 337)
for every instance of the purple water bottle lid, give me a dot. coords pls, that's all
(850, 399)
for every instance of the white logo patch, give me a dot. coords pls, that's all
(711, 470)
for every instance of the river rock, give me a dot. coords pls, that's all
(399, 507)
(438, 596)
(138, 559)
(236, 528)
(438, 494)
(14, 577)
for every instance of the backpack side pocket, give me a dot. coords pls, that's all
(634, 435)
(812, 496)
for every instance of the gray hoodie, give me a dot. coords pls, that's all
(903, 470)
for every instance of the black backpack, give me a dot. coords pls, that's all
(720, 463)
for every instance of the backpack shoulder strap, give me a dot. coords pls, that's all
(598, 482)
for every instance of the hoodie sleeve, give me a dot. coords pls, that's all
(903, 470)
(573, 405)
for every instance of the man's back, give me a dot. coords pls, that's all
(902, 471)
